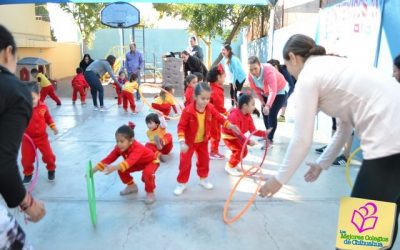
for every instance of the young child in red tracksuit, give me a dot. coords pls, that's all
(190, 83)
(193, 132)
(136, 158)
(46, 87)
(128, 89)
(160, 141)
(36, 131)
(241, 117)
(79, 85)
(165, 101)
(216, 77)
(118, 90)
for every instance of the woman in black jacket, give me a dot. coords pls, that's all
(193, 64)
(86, 61)
(15, 113)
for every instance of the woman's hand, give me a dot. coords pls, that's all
(271, 186)
(266, 109)
(313, 172)
(34, 209)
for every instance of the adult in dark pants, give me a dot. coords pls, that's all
(291, 81)
(93, 74)
(134, 64)
(193, 64)
(15, 113)
(359, 97)
(237, 72)
(197, 51)
(271, 89)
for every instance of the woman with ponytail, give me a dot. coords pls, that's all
(359, 97)
(136, 158)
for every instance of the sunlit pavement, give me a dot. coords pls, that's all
(301, 216)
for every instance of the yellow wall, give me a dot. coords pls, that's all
(64, 58)
(20, 19)
(34, 40)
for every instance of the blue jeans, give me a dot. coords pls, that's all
(271, 120)
(95, 86)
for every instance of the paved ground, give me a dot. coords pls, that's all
(301, 216)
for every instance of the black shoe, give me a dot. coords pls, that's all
(51, 175)
(321, 149)
(27, 179)
(340, 160)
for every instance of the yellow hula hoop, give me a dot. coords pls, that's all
(149, 105)
(347, 169)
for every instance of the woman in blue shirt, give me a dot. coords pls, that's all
(237, 72)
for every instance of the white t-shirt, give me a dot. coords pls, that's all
(359, 97)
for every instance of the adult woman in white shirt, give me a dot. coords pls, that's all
(361, 98)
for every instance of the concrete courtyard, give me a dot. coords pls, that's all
(301, 216)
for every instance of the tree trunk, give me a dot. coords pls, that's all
(209, 51)
(230, 37)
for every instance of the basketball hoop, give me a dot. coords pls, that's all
(120, 15)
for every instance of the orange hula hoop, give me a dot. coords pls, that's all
(144, 100)
(246, 173)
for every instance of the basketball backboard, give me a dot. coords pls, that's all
(120, 15)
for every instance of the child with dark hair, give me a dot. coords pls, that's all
(165, 101)
(199, 75)
(160, 142)
(194, 132)
(119, 85)
(128, 89)
(46, 87)
(241, 117)
(190, 83)
(36, 131)
(216, 77)
(79, 85)
(136, 158)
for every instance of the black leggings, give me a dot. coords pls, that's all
(271, 120)
(95, 86)
(379, 179)
(233, 92)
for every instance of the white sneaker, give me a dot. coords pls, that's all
(180, 189)
(95, 108)
(233, 171)
(206, 184)
(102, 109)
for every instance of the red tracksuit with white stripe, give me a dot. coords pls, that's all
(245, 124)
(194, 129)
(36, 130)
(79, 85)
(217, 99)
(166, 138)
(136, 158)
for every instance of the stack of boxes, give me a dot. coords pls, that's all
(172, 72)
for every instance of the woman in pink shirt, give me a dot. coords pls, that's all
(271, 89)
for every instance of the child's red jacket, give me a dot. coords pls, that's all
(243, 122)
(189, 93)
(137, 154)
(218, 98)
(79, 81)
(188, 124)
(40, 119)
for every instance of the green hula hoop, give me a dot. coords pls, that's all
(91, 193)
(347, 169)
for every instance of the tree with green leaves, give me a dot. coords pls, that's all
(86, 16)
(210, 20)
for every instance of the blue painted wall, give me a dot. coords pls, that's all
(259, 48)
(157, 41)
